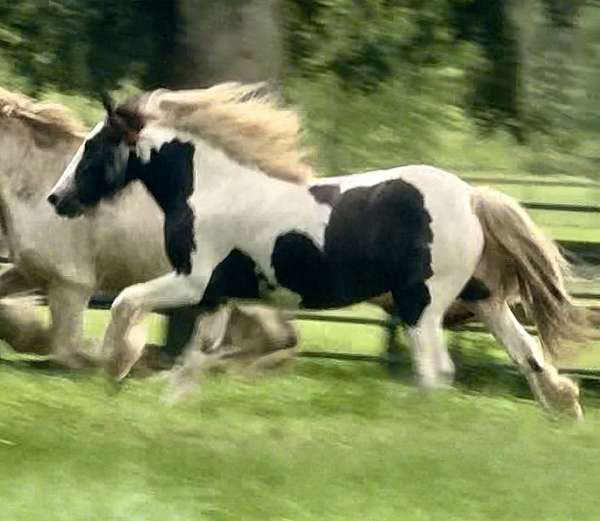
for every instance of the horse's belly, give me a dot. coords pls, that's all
(117, 276)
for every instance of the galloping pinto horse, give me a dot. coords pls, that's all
(119, 245)
(225, 166)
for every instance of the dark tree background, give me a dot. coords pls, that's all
(514, 66)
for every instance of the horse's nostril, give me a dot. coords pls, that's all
(53, 199)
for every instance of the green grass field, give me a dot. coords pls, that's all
(317, 440)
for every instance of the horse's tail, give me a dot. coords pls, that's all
(518, 249)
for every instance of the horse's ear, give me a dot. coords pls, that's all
(108, 103)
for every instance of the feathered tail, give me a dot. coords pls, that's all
(522, 251)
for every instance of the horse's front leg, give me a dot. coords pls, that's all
(67, 308)
(123, 342)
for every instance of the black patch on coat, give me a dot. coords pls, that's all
(474, 290)
(377, 240)
(234, 277)
(325, 194)
(169, 177)
(301, 267)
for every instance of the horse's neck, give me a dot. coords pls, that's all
(187, 175)
(183, 170)
(244, 208)
(27, 172)
(223, 185)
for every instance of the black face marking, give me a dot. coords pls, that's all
(325, 194)
(377, 240)
(169, 177)
(100, 173)
(474, 290)
(102, 170)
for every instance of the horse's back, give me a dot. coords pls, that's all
(426, 178)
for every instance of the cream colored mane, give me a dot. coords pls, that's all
(53, 116)
(247, 124)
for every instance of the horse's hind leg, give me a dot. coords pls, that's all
(423, 314)
(13, 282)
(22, 328)
(20, 325)
(554, 392)
(432, 363)
(184, 377)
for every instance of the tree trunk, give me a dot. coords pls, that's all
(233, 40)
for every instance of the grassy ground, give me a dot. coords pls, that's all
(315, 440)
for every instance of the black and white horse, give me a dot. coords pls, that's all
(225, 166)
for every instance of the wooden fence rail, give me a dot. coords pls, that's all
(588, 252)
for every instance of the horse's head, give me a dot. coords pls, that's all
(99, 169)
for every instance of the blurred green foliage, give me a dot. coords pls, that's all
(458, 83)
(464, 84)
(85, 45)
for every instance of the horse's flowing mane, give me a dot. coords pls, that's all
(244, 121)
(52, 116)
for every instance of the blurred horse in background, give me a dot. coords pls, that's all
(70, 260)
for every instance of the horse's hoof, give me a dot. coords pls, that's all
(120, 364)
(577, 412)
(446, 379)
(568, 398)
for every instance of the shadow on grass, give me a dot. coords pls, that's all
(43, 366)
(477, 371)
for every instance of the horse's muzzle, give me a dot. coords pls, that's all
(65, 206)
